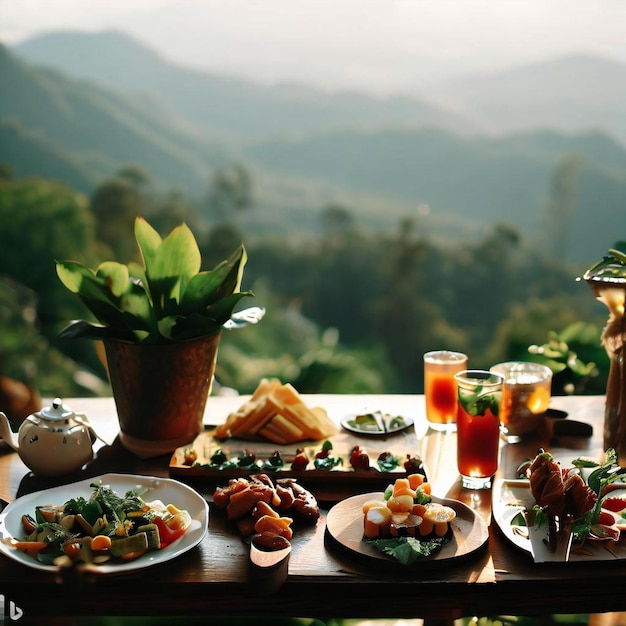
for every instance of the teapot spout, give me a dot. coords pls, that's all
(6, 433)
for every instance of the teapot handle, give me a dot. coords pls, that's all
(81, 419)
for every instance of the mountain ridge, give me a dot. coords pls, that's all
(81, 131)
(570, 93)
(79, 116)
(238, 108)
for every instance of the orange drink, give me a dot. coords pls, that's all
(440, 388)
(526, 394)
(478, 426)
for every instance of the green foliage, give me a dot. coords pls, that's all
(166, 299)
(27, 356)
(575, 357)
(41, 220)
(352, 312)
(294, 349)
(478, 179)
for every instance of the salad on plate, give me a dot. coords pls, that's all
(100, 524)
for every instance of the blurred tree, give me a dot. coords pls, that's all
(481, 277)
(6, 171)
(560, 208)
(409, 320)
(219, 243)
(115, 204)
(171, 209)
(230, 191)
(136, 175)
(337, 221)
(294, 349)
(27, 356)
(118, 201)
(44, 221)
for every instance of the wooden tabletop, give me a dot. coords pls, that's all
(325, 581)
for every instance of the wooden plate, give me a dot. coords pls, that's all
(344, 525)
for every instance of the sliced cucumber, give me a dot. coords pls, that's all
(126, 545)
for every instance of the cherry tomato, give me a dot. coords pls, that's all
(359, 459)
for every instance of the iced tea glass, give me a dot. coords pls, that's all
(478, 426)
(526, 394)
(440, 388)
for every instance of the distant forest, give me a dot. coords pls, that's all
(376, 229)
(351, 310)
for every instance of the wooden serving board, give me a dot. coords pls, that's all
(344, 526)
(206, 445)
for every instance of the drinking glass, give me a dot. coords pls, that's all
(440, 388)
(526, 394)
(478, 426)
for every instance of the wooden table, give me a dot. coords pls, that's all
(324, 583)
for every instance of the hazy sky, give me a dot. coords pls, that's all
(379, 45)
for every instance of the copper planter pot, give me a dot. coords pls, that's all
(160, 391)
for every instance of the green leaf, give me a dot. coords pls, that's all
(207, 287)
(170, 264)
(387, 462)
(72, 274)
(407, 550)
(148, 240)
(222, 310)
(137, 312)
(206, 323)
(115, 276)
(476, 404)
(81, 329)
(93, 291)
(83, 281)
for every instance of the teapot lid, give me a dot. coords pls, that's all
(56, 412)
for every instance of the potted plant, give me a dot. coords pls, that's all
(160, 323)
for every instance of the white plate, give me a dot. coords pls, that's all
(151, 488)
(385, 427)
(511, 497)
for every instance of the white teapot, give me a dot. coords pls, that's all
(51, 442)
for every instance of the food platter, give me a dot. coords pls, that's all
(344, 527)
(151, 488)
(399, 445)
(512, 497)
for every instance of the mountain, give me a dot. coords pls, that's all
(98, 128)
(480, 178)
(225, 107)
(304, 152)
(30, 154)
(571, 94)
